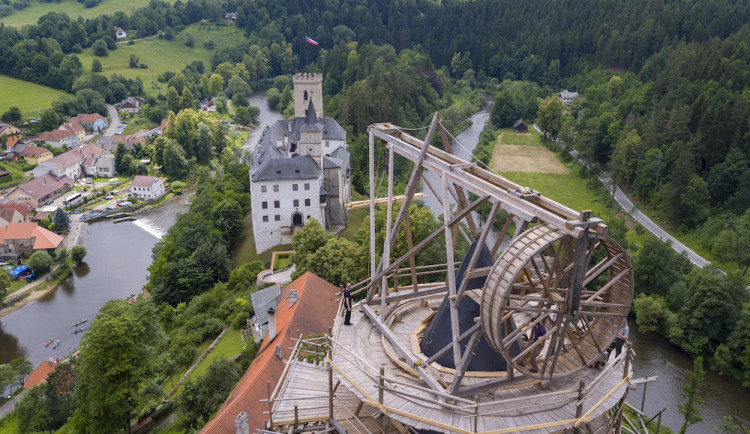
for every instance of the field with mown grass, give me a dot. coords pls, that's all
(31, 98)
(73, 8)
(161, 55)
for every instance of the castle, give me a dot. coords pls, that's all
(299, 170)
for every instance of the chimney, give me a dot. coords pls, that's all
(241, 425)
(271, 324)
(292, 297)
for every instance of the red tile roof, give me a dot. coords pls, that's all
(90, 118)
(39, 375)
(43, 238)
(45, 184)
(22, 208)
(313, 312)
(55, 135)
(143, 181)
(34, 151)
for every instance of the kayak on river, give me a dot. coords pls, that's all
(56, 344)
(80, 322)
(49, 342)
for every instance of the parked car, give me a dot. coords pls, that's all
(32, 277)
(49, 202)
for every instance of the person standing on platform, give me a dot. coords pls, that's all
(348, 303)
(539, 331)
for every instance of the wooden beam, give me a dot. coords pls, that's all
(412, 259)
(465, 361)
(477, 251)
(407, 355)
(385, 261)
(394, 297)
(448, 347)
(451, 275)
(371, 290)
(357, 204)
(477, 388)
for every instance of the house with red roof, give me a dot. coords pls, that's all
(22, 208)
(74, 164)
(26, 238)
(92, 121)
(307, 305)
(39, 375)
(147, 187)
(39, 190)
(36, 154)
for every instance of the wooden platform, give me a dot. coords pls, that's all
(359, 352)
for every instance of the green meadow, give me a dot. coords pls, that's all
(161, 55)
(31, 98)
(73, 8)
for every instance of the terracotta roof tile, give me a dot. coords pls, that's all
(313, 312)
(34, 151)
(39, 375)
(45, 184)
(90, 118)
(45, 239)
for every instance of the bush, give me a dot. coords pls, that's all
(190, 42)
(143, 66)
(111, 44)
(78, 253)
(77, 49)
(210, 45)
(40, 262)
(96, 65)
(100, 48)
(131, 42)
(12, 115)
(62, 271)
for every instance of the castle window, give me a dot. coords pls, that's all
(295, 187)
(307, 186)
(307, 202)
(296, 203)
(265, 205)
(305, 95)
(265, 218)
(276, 188)
(328, 143)
(277, 218)
(263, 188)
(276, 204)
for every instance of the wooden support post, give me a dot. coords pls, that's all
(451, 275)
(643, 400)
(412, 259)
(371, 291)
(296, 418)
(460, 195)
(628, 356)
(477, 251)
(579, 405)
(465, 361)
(381, 382)
(385, 261)
(658, 422)
(330, 392)
(270, 406)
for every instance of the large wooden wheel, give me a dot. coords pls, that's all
(533, 282)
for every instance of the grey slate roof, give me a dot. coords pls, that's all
(342, 154)
(330, 163)
(262, 301)
(286, 168)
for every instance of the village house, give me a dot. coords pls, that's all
(120, 33)
(130, 105)
(9, 130)
(104, 167)
(305, 306)
(10, 215)
(74, 163)
(36, 154)
(567, 97)
(109, 143)
(15, 144)
(59, 138)
(147, 187)
(22, 208)
(300, 170)
(39, 190)
(26, 238)
(92, 121)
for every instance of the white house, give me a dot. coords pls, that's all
(300, 170)
(567, 97)
(130, 105)
(120, 33)
(59, 138)
(147, 187)
(75, 163)
(93, 121)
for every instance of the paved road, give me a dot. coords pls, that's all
(10, 405)
(639, 216)
(114, 122)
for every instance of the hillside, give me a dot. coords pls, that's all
(73, 8)
(29, 97)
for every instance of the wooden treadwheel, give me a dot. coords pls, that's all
(532, 282)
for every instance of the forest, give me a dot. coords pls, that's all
(664, 108)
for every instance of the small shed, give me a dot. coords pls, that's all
(521, 126)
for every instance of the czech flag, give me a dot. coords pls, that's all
(310, 40)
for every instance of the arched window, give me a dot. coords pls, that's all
(305, 95)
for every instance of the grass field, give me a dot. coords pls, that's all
(161, 55)
(31, 98)
(73, 8)
(230, 345)
(510, 137)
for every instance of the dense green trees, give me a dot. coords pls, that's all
(118, 353)
(40, 262)
(200, 398)
(48, 406)
(78, 253)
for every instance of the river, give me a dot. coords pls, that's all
(115, 267)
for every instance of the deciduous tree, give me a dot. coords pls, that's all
(550, 116)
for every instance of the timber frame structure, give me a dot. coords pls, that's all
(552, 266)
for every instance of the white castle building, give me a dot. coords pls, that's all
(300, 170)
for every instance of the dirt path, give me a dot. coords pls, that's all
(521, 158)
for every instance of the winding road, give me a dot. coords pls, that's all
(114, 123)
(639, 216)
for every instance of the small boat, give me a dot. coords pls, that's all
(80, 330)
(57, 342)
(80, 322)
(48, 342)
